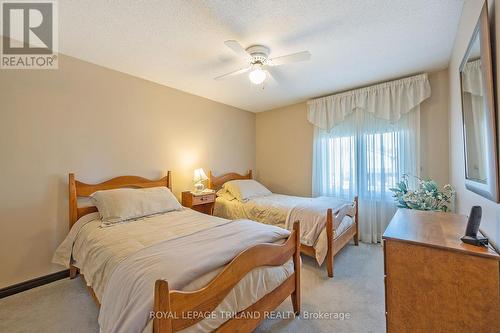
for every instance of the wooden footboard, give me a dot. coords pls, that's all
(174, 309)
(336, 242)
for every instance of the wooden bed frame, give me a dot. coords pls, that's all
(334, 244)
(172, 304)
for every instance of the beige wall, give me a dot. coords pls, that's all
(284, 150)
(466, 199)
(434, 128)
(284, 142)
(97, 123)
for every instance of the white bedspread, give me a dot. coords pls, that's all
(283, 210)
(97, 251)
(128, 298)
(270, 209)
(125, 248)
(312, 217)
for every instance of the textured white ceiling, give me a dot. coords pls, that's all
(180, 43)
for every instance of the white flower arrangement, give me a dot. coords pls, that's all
(426, 197)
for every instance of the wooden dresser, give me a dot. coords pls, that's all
(433, 281)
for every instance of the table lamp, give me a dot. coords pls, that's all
(198, 178)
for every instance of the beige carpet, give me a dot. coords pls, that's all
(357, 289)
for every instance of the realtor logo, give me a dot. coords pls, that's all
(29, 35)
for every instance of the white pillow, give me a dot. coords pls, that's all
(245, 189)
(124, 204)
(225, 194)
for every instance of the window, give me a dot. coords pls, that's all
(365, 156)
(364, 141)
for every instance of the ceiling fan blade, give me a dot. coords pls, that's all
(237, 48)
(270, 78)
(287, 59)
(233, 73)
(269, 82)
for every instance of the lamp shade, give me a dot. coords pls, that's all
(199, 175)
(257, 76)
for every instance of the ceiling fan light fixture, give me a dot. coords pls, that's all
(257, 75)
(258, 61)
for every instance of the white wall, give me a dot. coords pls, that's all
(466, 199)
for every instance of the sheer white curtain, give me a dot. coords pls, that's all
(364, 154)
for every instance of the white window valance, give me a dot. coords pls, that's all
(387, 101)
(472, 78)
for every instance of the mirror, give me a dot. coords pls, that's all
(474, 116)
(478, 113)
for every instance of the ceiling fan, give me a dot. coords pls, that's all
(258, 60)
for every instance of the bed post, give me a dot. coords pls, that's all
(329, 239)
(250, 176)
(356, 236)
(296, 265)
(73, 215)
(162, 320)
(73, 272)
(169, 180)
(210, 185)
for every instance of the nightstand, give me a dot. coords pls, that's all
(203, 203)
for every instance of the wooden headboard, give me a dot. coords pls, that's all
(216, 182)
(79, 189)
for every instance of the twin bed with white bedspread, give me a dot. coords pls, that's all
(196, 254)
(327, 223)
